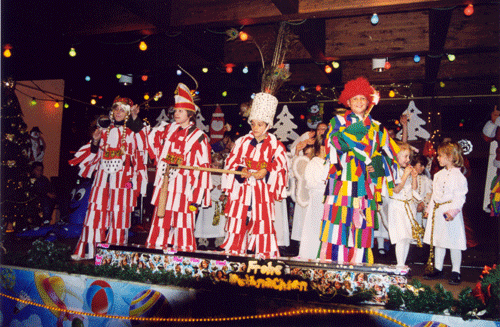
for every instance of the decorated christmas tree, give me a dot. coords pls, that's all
(18, 203)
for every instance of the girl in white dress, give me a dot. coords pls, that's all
(445, 225)
(211, 220)
(402, 208)
(315, 176)
(424, 187)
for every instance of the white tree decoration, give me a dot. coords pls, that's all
(284, 127)
(200, 124)
(163, 116)
(415, 124)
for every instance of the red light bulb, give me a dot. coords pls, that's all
(469, 10)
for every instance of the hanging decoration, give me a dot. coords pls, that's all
(415, 124)
(217, 125)
(314, 114)
(284, 129)
(466, 146)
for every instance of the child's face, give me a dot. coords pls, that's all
(119, 113)
(309, 153)
(358, 104)
(419, 168)
(258, 129)
(217, 164)
(404, 158)
(444, 160)
(181, 116)
(321, 129)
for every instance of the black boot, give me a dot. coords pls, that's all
(292, 250)
(211, 244)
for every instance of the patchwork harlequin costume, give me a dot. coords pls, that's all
(350, 215)
(118, 166)
(491, 132)
(250, 210)
(187, 189)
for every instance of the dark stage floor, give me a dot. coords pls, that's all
(473, 259)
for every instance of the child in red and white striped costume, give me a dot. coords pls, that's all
(250, 208)
(184, 144)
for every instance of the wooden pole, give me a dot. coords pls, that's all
(212, 170)
(163, 193)
(164, 187)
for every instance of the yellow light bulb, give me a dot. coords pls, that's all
(7, 53)
(143, 46)
(93, 102)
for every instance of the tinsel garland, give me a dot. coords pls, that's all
(424, 299)
(481, 303)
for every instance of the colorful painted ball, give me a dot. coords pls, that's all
(7, 278)
(100, 297)
(430, 324)
(148, 304)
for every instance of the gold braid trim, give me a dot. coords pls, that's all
(417, 231)
(429, 267)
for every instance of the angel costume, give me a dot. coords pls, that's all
(210, 222)
(449, 188)
(402, 211)
(315, 176)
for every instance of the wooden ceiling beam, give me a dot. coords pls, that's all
(287, 7)
(233, 13)
(439, 22)
(312, 36)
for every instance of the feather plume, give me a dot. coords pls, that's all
(278, 73)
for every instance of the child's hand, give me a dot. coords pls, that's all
(245, 173)
(447, 217)
(403, 120)
(420, 207)
(134, 111)
(414, 173)
(260, 174)
(407, 171)
(370, 169)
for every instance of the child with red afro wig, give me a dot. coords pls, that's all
(362, 158)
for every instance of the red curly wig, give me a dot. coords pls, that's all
(359, 86)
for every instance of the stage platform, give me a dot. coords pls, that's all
(326, 278)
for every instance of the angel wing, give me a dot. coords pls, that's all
(301, 192)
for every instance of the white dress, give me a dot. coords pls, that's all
(401, 205)
(281, 223)
(449, 185)
(301, 195)
(315, 176)
(205, 227)
(424, 189)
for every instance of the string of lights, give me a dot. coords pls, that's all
(291, 313)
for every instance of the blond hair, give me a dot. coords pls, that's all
(453, 150)
(405, 146)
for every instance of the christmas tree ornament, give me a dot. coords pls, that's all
(217, 125)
